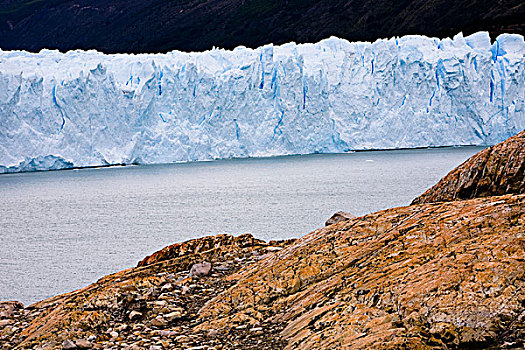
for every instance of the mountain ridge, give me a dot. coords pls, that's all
(136, 26)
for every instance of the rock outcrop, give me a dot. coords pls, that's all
(220, 244)
(446, 275)
(338, 217)
(494, 171)
(148, 307)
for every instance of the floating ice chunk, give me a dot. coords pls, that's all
(39, 163)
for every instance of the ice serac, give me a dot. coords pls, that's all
(85, 108)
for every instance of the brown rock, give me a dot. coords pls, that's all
(167, 333)
(173, 316)
(135, 315)
(68, 345)
(159, 322)
(338, 217)
(4, 323)
(8, 309)
(495, 171)
(413, 275)
(83, 344)
(221, 243)
(11, 305)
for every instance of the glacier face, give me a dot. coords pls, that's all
(85, 108)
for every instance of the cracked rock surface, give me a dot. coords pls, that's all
(433, 276)
(495, 171)
(447, 275)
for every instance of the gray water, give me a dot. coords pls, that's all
(60, 231)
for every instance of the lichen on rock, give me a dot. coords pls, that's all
(495, 171)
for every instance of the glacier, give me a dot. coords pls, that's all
(85, 108)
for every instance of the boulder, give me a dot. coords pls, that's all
(68, 345)
(200, 270)
(338, 217)
(495, 171)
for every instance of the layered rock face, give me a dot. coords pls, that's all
(446, 275)
(432, 276)
(495, 171)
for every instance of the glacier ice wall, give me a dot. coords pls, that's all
(87, 108)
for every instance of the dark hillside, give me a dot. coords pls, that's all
(163, 25)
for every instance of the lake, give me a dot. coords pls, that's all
(62, 230)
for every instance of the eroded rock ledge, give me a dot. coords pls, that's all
(148, 307)
(495, 171)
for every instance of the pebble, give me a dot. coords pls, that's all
(182, 338)
(68, 345)
(83, 344)
(173, 315)
(135, 315)
(122, 328)
(222, 268)
(165, 333)
(167, 287)
(159, 321)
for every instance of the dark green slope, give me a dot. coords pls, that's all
(163, 25)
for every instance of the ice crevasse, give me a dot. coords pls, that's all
(86, 108)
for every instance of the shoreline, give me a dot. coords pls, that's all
(264, 157)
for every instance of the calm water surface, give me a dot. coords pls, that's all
(60, 231)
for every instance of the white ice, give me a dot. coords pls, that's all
(85, 108)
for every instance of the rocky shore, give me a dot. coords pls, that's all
(496, 170)
(447, 272)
